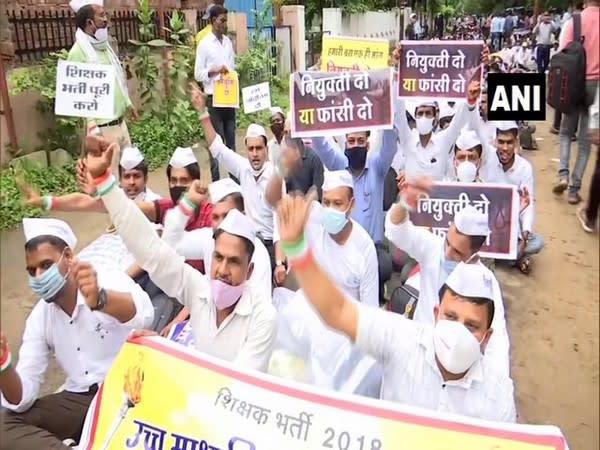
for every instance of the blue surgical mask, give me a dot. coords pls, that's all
(447, 264)
(49, 284)
(333, 220)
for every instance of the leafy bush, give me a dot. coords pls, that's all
(55, 180)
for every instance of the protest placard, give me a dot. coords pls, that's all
(499, 201)
(337, 103)
(85, 90)
(439, 69)
(340, 54)
(226, 92)
(159, 395)
(256, 97)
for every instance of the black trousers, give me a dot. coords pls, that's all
(543, 58)
(223, 120)
(591, 210)
(384, 260)
(271, 249)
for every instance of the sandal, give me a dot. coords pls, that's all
(525, 265)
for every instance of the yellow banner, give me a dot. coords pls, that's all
(159, 395)
(226, 92)
(340, 54)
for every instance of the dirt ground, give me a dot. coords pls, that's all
(552, 314)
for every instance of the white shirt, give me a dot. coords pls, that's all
(353, 265)
(520, 174)
(412, 377)
(245, 337)
(253, 190)
(200, 244)
(428, 250)
(210, 53)
(84, 344)
(107, 252)
(433, 159)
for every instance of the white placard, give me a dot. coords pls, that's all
(256, 97)
(85, 90)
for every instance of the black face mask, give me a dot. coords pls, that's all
(176, 191)
(277, 129)
(357, 157)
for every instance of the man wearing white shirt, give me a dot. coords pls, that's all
(229, 320)
(84, 317)
(426, 152)
(438, 367)
(215, 56)
(437, 258)
(512, 168)
(253, 173)
(277, 126)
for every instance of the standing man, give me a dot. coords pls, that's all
(590, 31)
(410, 33)
(543, 32)
(215, 56)
(92, 46)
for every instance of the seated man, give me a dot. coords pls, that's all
(435, 366)
(512, 168)
(229, 319)
(83, 317)
(225, 195)
(438, 257)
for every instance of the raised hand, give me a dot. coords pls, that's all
(198, 100)
(84, 180)
(198, 192)
(415, 188)
(87, 281)
(292, 214)
(31, 197)
(99, 155)
(474, 90)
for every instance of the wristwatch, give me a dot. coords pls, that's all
(102, 298)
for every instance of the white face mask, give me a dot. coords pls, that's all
(456, 347)
(101, 34)
(424, 125)
(466, 172)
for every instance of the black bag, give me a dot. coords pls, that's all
(390, 189)
(404, 300)
(566, 77)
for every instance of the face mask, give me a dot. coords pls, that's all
(456, 347)
(424, 125)
(333, 220)
(49, 284)
(224, 295)
(447, 264)
(176, 191)
(357, 157)
(101, 34)
(466, 172)
(277, 129)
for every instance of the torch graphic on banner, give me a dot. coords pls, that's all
(132, 395)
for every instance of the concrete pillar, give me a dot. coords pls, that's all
(293, 16)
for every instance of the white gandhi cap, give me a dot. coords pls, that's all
(277, 110)
(222, 188)
(76, 5)
(471, 280)
(446, 110)
(182, 156)
(131, 157)
(255, 130)
(337, 178)
(238, 224)
(467, 140)
(471, 222)
(35, 227)
(505, 125)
